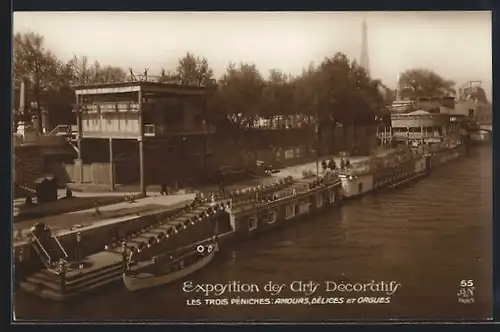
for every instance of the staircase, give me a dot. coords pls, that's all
(48, 247)
(69, 131)
(62, 285)
(62, 280)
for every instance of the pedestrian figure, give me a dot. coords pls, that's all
(324, 165)
(332, 165)
(18, 234)
(97, 212)
(347, 163)
(78, 251)
(164, 189)
(220, 178)
(69, 193)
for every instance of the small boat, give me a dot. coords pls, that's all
(169, 267)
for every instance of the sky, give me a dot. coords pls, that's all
(456, 45)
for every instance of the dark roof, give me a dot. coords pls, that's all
(144, 84)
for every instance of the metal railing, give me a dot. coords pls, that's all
(60, 130)
(54, 236)
(48, 261)
(37, 245)
(153, 130)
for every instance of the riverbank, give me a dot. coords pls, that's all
(394, 236)
(145, 221)
(111, 213)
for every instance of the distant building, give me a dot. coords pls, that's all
(473, 102)
(424, 126)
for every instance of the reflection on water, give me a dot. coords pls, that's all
(427, 237)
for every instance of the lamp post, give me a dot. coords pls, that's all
(124, 257)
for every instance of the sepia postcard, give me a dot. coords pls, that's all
(252, 166)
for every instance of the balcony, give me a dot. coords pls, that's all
(416, 135)
(152, 130)
(39, 140)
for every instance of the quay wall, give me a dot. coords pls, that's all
(71, 172)
(359, 140)
(195, 158)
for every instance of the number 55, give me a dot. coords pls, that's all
(466, 283)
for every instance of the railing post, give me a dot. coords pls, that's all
(124, 257)
(62, 275)
(21, 255)
(78, 246)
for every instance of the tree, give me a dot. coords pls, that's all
(426, 83)
(239, 94)
(278, 96)
(83, 73)
(167, 76)
(80, 69)
(110, 74)
(340, 91)
(36, 64)
(305, 97)
(194, 71)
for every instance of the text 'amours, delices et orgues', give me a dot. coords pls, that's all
(297, 292)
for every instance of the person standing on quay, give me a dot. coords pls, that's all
(221, 181)
(164, 189)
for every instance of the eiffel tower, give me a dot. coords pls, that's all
(364, 60)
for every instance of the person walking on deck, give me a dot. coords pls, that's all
(347, 164)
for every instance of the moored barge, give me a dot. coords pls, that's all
(168, 267)
(231, 216)
(398, 168)
(254, 214)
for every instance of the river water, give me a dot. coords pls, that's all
(427, 238)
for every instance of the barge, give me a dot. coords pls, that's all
(254, 214)
(398, 168)
(168, 267)
(231, 216)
